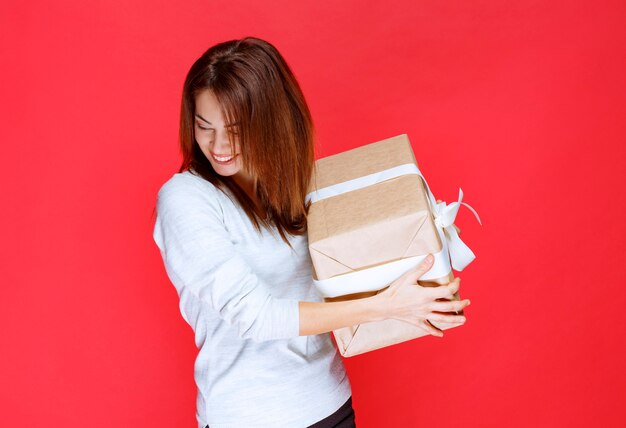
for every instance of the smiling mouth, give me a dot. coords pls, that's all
(223, 159)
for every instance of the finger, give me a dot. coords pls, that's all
(423, 267)
(430, 329)
(453, 306)
(445, 291)
(446, 325)
(448, 319)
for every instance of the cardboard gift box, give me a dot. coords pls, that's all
(372, 218)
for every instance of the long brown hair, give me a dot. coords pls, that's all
(257, 90)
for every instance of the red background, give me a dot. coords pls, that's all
(519, 103)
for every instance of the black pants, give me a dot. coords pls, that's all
(342, 418)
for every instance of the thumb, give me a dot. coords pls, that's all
(421, 269)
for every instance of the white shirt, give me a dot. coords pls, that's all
(239, 292)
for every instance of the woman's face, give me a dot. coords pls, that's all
(211, 133)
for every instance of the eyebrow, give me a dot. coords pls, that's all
(203, 119)
(200, 117)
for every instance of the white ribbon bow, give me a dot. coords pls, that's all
(444, 216)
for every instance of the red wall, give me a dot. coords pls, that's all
(522, 104)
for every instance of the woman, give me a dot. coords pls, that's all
(231, 228)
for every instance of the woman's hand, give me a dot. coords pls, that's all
(408, 301)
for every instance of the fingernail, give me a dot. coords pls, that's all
(468, 303)
(429, 258)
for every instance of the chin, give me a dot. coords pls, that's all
(225, 171)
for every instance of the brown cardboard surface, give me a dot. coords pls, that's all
(370, 226)
(362, 161)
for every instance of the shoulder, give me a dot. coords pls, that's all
(187, 184)
(184, 189)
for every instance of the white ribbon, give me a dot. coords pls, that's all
(361, 182)
(374, 278)
(444, 216)
(377, 277)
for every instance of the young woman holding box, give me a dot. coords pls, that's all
(231, 228)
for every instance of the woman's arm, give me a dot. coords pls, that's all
(404, 299)
(322, 317)
(202, 261)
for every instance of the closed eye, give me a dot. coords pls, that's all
(203, 127)
(231, 131)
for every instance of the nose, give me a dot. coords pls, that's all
(222, 143)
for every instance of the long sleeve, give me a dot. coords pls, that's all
(199, 256)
